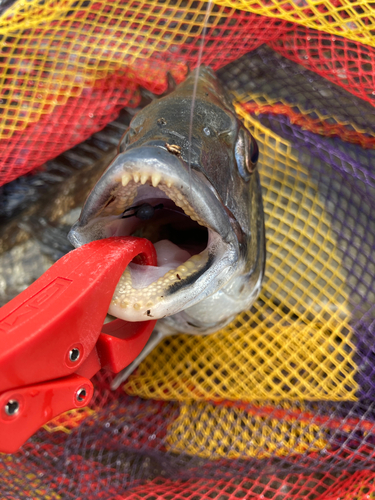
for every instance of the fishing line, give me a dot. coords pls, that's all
(200, 52)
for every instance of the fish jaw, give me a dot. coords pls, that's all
(152, 172)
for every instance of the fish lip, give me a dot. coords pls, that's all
(156, 157)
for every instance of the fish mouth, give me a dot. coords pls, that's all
(149, 192)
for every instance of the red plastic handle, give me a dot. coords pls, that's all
(24, 410)
(50, 329)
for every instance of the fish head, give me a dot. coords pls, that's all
(194, 193)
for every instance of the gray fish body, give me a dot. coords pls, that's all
(206, 222)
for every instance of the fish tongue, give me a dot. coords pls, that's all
(168, 252)
(169, 255)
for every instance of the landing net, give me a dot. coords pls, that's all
(279, 404)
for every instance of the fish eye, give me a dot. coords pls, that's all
(254, 151)
(246, 153)
(207, 131)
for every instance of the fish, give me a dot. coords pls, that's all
(196, 195)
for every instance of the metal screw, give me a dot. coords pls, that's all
(74, 354)
(12, 407)
(81, 394)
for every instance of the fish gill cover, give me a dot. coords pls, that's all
(279, 404)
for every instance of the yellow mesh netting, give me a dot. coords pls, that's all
(352, 19)
(211, 431)
(69, 420)
(61, 48)
(296, 342)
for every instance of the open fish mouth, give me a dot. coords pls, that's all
(148, 192)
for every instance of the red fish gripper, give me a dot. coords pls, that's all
(52, 337)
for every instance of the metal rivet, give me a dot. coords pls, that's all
(12, 407)
(74, 354)
(81, 395)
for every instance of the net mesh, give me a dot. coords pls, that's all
(279, 404)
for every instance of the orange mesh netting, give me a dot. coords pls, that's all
(279, 404)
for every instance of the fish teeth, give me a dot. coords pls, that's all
(156, 178)
(166, 185)
(189, 265)
(143, 177)
(125, 179)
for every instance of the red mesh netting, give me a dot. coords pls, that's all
(343, 62)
